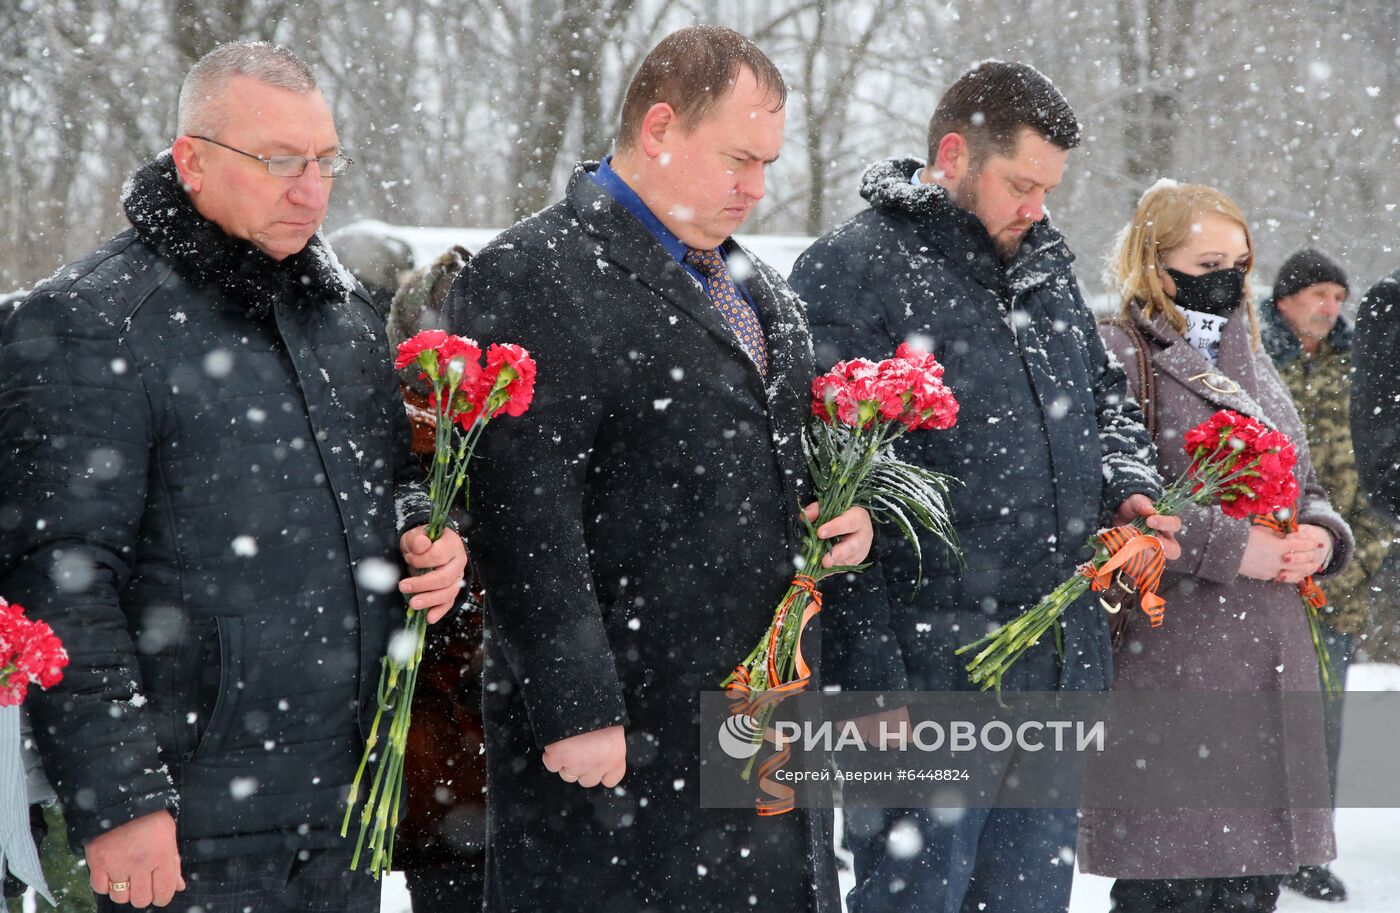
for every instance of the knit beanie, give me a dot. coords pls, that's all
(1308, 266)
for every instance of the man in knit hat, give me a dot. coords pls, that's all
(1310, 341)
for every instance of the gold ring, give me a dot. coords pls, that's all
(119, 886)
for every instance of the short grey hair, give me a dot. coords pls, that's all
(201, 110)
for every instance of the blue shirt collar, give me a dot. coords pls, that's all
(617, 188)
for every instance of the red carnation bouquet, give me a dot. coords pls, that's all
(30, 654)
(1237, 462)
(1258, 481)
(860, 408)
(466, 397)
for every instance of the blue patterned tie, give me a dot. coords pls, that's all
(720, 286)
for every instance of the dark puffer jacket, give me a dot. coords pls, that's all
(8, 303)
(1047, 442)
(206, 469)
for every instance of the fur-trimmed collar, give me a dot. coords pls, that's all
(1283, 346)
(166, 220)
(886, 185)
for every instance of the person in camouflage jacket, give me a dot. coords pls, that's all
(1310, 342)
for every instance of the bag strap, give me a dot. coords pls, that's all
(1147, 382)
(1147, 399)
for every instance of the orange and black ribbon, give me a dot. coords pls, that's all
(1138, 557)
(744, 700)
(1312, 593)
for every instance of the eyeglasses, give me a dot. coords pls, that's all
(292, 166)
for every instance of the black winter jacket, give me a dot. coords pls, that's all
(201, 450)
(1047, 442)
(1375, 395)
(634, 530)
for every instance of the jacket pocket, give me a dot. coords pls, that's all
(225, 648)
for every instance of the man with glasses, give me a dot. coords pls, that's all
(292, 166)
(209, 495)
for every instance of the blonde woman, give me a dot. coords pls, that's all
(1235, 622)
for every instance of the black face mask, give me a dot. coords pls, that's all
(1218, 292)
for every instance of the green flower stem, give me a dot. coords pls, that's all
(360, 772)
(995, 653)
(813, 550)
(847, 472)
(1330, 683)
(841, 460)
(368, 810)
(398, 681)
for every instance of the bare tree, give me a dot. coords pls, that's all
(832, 41)
(472, 112)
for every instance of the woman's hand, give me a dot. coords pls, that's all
(1312, 550)
(1274, 556)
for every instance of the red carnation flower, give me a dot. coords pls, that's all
(506, 385)
(826, 389)
(410, 349)
(1253, 463)
(858, 402)
(521, 388)
(458, 359)
(894, 387)
(459, 353)
(855, 368)
(919, 358)
(460, 347)
(466, 407)
(29, 653)
(932, 404)
(937, 406)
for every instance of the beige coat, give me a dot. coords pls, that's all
(1223, 632)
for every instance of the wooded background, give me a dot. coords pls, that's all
(469, 113)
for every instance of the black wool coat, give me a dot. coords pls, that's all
(205, 465)
(1375, 400)
(635, 530)
(1047, 442)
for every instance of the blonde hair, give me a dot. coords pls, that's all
(1162, 223)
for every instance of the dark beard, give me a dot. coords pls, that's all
(966, 197)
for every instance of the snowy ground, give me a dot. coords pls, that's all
(1368, 848)
(1368, 841)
